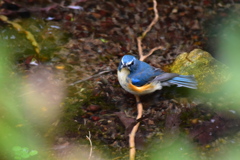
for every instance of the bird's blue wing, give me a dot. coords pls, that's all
(143, 75)
(187, 81)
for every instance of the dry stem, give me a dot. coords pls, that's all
(140, 38)
(134, 130)
(90, 141)
(94, 76)
(132, 152)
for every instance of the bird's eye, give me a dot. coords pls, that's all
(130, 63)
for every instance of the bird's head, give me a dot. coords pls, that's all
(129, 62)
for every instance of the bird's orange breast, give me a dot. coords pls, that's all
(141, 89)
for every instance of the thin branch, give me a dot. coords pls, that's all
(94, 76)
(132, 152)
(90, 141)
(140, 50)
(143, 57)
(154, 21)
(140, 38)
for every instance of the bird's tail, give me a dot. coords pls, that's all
(184, 81)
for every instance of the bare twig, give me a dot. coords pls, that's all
(132, 151)
(140, 38)
(90, 141)
(143, 57)
(154, 21)
(94, 76)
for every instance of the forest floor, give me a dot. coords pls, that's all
(81, 45)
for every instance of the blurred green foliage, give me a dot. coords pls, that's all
(229, 50)
(23, 152)
(179, 149)
(13, 132)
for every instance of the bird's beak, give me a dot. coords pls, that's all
(122, 66)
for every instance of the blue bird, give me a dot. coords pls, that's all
(140, 78)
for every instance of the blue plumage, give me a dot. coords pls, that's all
(184, 81)
(131, 70)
